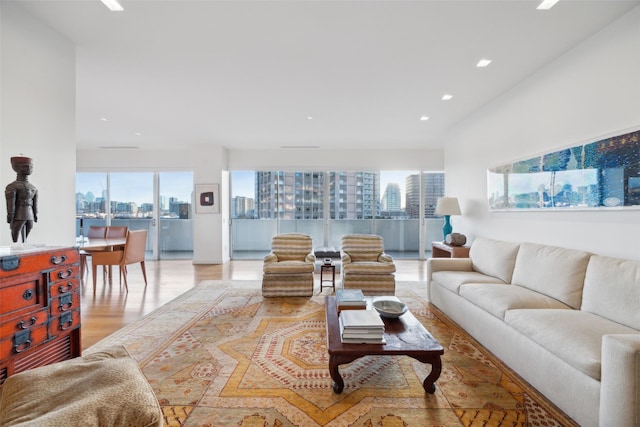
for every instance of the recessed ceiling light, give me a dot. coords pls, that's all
(547, 4)
(113, 5)
(446, 97)
(138, 134)
(309, 118)
(104, 119)
(483, 63)
(424, 118)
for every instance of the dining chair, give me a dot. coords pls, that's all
(114, 232)
(132, 253)
(94, 232)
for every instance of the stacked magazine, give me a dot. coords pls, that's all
(361, 327)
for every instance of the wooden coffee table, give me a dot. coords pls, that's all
(405, 336)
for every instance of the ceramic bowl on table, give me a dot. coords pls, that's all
(389, 308)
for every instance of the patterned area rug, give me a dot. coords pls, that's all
(221, 355)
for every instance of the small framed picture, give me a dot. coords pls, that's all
(207, 198)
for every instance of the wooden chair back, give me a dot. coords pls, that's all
(97, 232)
(116, 231)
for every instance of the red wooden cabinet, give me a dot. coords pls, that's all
(39, 308)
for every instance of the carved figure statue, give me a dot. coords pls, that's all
(22, 199)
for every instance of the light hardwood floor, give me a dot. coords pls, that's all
(111, 308)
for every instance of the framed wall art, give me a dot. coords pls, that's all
(600, 174)
(207, 198)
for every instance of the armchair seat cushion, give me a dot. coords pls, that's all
(288, 267)
(369, 267)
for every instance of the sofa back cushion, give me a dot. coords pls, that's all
(612, 290)
(553, 271)
(291, 246)
(494, 257)
(362, 247)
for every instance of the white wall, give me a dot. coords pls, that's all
(37, 119)
(590, 92)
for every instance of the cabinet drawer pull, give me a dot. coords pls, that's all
(21, 341)
(66, 321)
(22, 325)
(57, 260)
(27, 295)
(66, 302)
(65, 274)
(63, 290)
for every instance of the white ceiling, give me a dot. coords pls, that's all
(248, 74)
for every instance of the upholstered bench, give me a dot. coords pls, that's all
(105, 388)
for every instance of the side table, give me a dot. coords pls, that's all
(328, 268)
(442, 250)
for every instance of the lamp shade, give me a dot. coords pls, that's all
(448, 206)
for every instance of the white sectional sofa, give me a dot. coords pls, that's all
(565, 320)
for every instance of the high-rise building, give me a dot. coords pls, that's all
(433, 188)
(391, 199)
(242, 207)
(300, 195)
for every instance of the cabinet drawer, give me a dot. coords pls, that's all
(22, 294)
(22, 341)
(65, 322)
(64, 287)
(8, 327)
(63, 303)
(13, 265)
(67, 272)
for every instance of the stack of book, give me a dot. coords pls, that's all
(361, 327)
(350, 299)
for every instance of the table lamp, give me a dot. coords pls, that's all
(447, 206)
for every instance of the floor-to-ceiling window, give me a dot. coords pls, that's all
(157, 202)
(327, 205)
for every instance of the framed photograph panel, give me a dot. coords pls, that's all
(207, 198)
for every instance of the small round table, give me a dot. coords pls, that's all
(328, 268)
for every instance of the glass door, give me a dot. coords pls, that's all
(175, 215)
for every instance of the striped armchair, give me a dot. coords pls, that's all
(288, 269)
(365, 265)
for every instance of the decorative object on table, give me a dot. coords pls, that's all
(207, 198)
(390, 308)
(350, 299)
(327, 261)
(455, 239)
(447, 206)
(361, 327)
(22, 200)
(599, 174)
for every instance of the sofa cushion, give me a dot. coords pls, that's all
(288, 267)
(497, 299)
(452, 280)
(369, 267)
(553, 271)
(612, 290)
(104, 388)
(572, 335)
(362, 247)
(493, 257)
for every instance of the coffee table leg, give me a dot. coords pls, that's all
(334, 362)
(429, 383)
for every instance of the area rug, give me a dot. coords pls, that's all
(222, 355)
